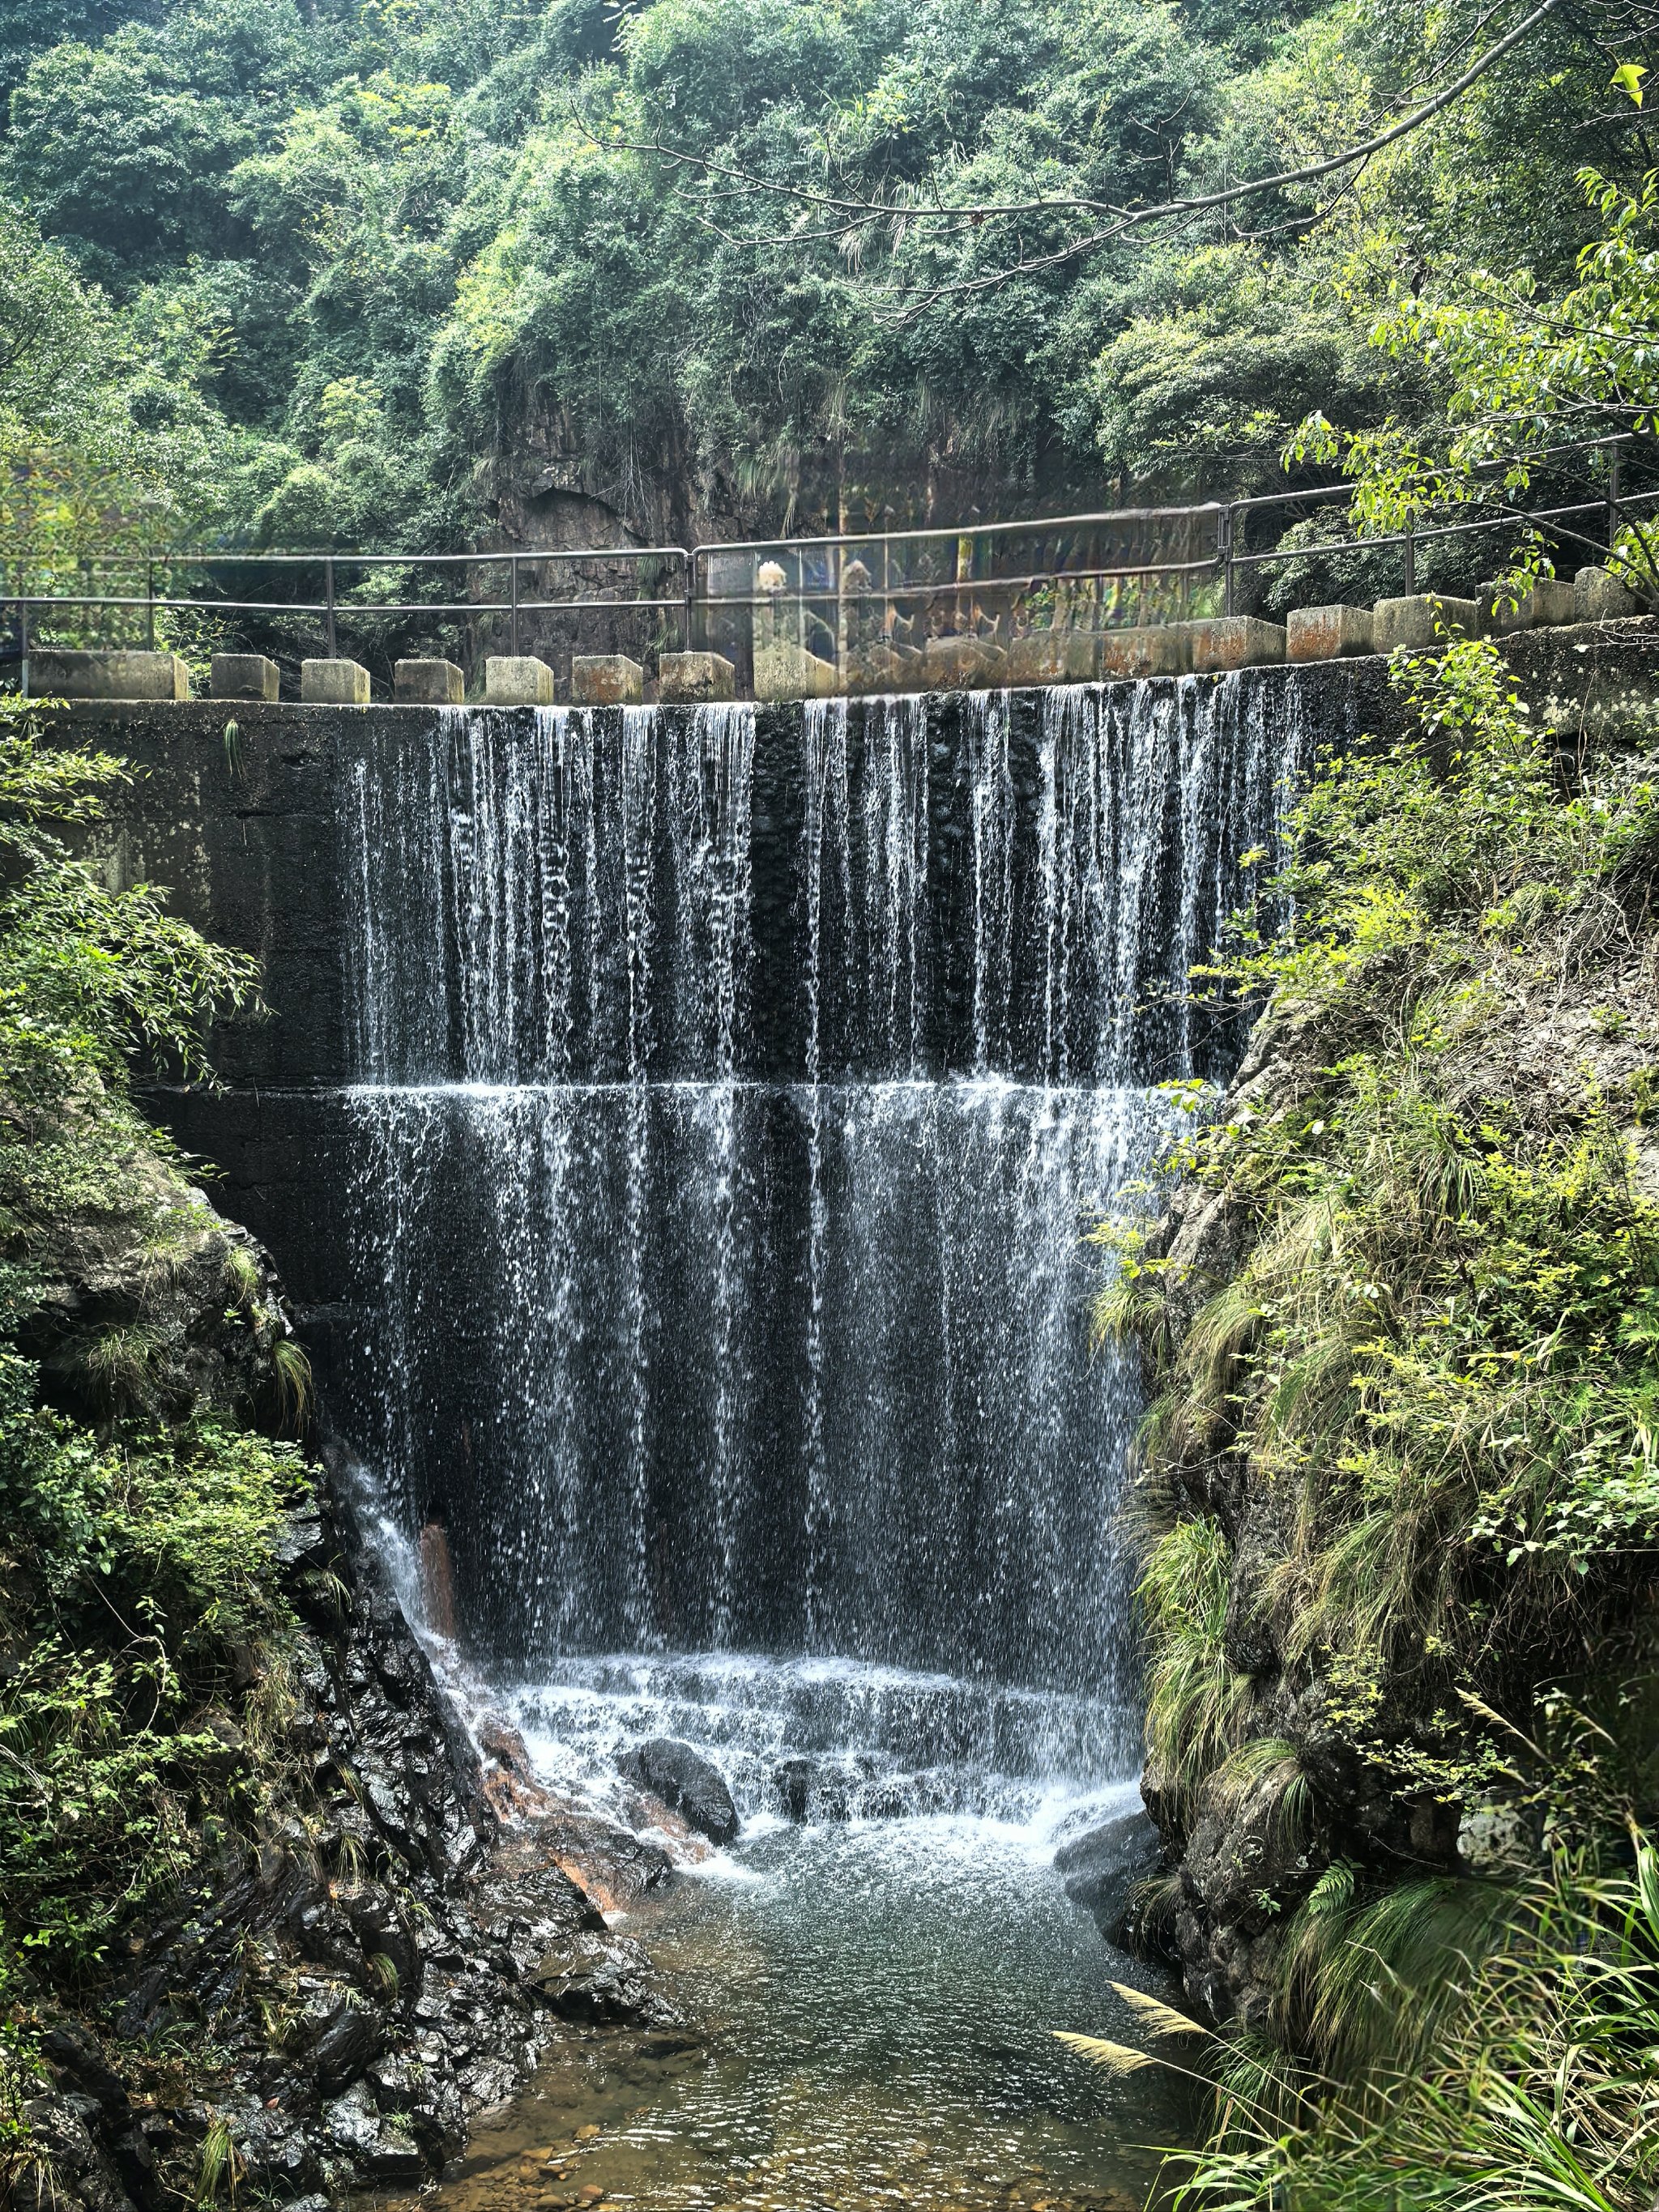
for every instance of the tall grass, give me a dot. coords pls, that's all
(1528, 2083)
(1532, 2086)
(1195, 1701)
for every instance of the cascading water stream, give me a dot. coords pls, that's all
(737, 1087)
(734, 1098)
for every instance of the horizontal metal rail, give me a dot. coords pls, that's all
(681, 590)
(232, 557)
(353, 607)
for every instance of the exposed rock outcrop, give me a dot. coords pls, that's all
(1104, 1868)
(686, 1783)
(375, 1954)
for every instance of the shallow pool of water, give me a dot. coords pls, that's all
(869, 2012)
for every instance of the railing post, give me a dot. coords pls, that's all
(1612, 498)
(23, 642)
(150, 605)
(513, 564)
(1224, 531)
(328, 611)
(1410, 561)
(689, 592)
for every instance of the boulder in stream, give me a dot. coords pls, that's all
(686, 1783)
(1102, 1867)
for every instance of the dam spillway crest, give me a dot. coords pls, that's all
(732, 1095)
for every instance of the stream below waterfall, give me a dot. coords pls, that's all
(866, 1997)
(735, 1089)
(869, 2011)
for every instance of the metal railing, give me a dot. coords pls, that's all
(1099, 570)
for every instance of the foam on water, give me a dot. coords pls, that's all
(835, 1739)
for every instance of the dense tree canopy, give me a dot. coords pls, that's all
(395, 272)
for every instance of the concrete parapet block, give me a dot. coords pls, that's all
(1420, 623)
(1329, 633)
(685, 678)
(1052, 656)
(879, 670)
(1548, 602)
(1553, 602)
(1218, 646)
(784, 670)
(1150, 649)
(56, 673)
(606, 679)
(333, 683)
(962, 664)
(427, 684)
(1598, 596)
(245, 676)
(513, 679)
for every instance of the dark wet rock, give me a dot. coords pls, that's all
(410, 1930)
(79, 2065)
(612, 1866)
(351, 2036)
(793, 1780)
(600, 1981)
(686, 1783)
(357, 1969)
(504, 1744)
(387, 1943)
(1103, 1867)
(279, 2157)
(860, 1786)
(381, 2146)
(71, 2166)
(813, 1790)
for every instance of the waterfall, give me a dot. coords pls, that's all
(735, 1088)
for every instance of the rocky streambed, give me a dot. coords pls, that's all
(680, 1932)
(856, 1990)
(442, 1963)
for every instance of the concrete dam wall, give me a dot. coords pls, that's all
(680, 1126)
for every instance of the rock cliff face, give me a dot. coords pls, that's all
(340, 1983)
(1556, 1037)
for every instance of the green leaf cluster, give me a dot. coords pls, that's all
(140, 1599)
(146, 1566)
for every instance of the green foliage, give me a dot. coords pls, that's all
(106, 445)
(1194, 1700)
(448, 208)
(1440, 1339)
(139, 1595)
(1531, 2084)
(1438, 1353)
(88, 974)
(1523, 369)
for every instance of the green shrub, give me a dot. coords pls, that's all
(1436, 1352)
